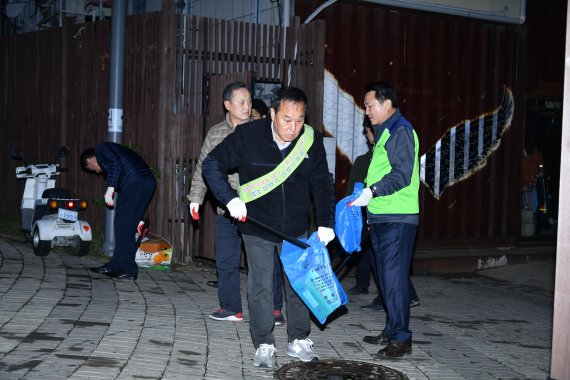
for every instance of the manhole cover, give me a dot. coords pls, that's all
(338, 370)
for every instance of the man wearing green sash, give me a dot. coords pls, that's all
(281, 162)
(237, 103)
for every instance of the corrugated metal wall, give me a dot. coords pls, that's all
(446, 70)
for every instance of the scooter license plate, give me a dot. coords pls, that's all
(68, 215)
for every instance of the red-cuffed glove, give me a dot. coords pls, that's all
(194, 207)
(140, 229)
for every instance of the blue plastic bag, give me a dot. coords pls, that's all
(312, 277)
(348, 221)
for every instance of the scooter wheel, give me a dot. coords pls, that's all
(41, 247)
(79, 247)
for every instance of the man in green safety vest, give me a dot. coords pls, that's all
(391, 197)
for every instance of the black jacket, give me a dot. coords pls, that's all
(253, 152)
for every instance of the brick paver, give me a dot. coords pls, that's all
(59, 320)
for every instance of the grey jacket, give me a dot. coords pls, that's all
(215, 135)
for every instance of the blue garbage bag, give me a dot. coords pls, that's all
(348, 221)
(312, 277)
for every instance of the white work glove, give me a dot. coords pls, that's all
(194, 207)
(363, 199)
(325, 234)
(109, 196)
(237, 209)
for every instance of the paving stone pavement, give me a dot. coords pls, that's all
(59, 320)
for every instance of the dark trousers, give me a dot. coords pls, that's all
(366, 264)
(412, 289)
(393, 247)
(363, 267)
(260, 259)
(277, 283)
(130, 207)
(378, 299)
(228, 256)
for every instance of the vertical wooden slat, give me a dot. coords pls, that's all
(243, 33)
(167, 45)
(254, 35)
(265, 51)
(235, 47)
(215, 47)
(193, 65)
(222, 46)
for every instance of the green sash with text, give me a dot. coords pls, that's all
(260, 186)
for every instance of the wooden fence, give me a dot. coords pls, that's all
(56, 88)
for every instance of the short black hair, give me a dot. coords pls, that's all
(288, 94)
(383, 90)
(87, 153)
(230, 88)
(260, 106)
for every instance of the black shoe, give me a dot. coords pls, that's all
(103, 269)
(372, 306)
(213, 284)
(377, 339)
(119, 274)
(358, 290)
(395, 350)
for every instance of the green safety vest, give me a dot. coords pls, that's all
(260, 186)
(403, 201)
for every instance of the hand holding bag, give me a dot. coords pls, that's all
(311, 275)
(348, 221)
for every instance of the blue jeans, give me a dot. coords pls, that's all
(228, 257)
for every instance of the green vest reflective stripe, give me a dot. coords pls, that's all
(403, 201)
(260, 186)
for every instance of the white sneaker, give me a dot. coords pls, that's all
(264, 355)
(302, 349)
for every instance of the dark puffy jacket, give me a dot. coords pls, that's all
(253, 152)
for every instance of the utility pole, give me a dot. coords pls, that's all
(116, 92)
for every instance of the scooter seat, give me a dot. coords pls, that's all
(57, 192)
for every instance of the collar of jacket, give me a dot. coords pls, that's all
(378, 129)
(229, 122)
(268, 135)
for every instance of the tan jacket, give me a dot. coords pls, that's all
(215, 135)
